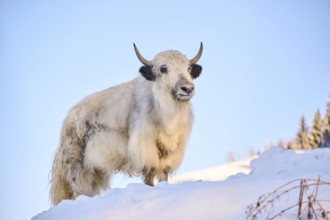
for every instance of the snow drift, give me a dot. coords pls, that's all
(225, 199)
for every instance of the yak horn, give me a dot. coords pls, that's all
(141, 58)
(198, 56)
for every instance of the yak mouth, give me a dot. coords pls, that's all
(183, 92)
(183, 97)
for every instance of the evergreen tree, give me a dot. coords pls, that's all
(326, 130)
(316, 133)
(302, 135)
(293, 145)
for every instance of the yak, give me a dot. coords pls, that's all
(139, 128)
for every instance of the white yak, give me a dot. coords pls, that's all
(139, 127)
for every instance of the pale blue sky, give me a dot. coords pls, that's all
(265, 64)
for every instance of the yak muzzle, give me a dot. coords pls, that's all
(184, 91)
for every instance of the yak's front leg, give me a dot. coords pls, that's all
(163, 176)
(149, 175)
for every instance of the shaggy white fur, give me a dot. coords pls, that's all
(139, 128)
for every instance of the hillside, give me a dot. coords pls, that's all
(217, 199)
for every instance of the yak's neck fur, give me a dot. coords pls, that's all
(165, 108)
(157, 116)
(168, 108)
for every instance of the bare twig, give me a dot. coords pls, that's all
(291, 207)
(304, 185)
(316, 189)
(300, 200)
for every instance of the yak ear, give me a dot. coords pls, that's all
(146, 72)
(196, 70)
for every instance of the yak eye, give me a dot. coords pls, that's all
(189, 69)
(163, 69)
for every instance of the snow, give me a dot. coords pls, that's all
(216, 173)
(208, 194)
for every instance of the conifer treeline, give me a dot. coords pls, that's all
(318, 136)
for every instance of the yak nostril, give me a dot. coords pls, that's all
(187, 88)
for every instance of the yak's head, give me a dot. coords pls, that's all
(171, 71)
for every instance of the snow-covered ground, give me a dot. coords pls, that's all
(208, 194)
(216, 173)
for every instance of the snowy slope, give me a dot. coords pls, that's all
(226, 199)
(216, 173)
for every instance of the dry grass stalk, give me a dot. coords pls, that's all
(306, 200)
